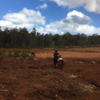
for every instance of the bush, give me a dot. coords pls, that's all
(16, 53)
(2, 52)
(10, 53)
(25, 54)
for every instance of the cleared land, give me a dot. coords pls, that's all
(34, 78)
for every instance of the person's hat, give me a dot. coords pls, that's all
(55, 50)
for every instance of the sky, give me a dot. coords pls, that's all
(52, 16)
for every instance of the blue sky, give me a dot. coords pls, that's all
(52, 16)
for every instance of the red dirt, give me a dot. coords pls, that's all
(35, 78)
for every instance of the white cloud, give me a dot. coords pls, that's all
(44, 6)
(74, 22)
(41, 30)
(16, 18)
(25, 18)
(5, 24)
(77, 17)
(33, 16)
(89, 5)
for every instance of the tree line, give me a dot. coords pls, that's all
(21, 38)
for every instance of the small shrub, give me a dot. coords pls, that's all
(24, 54)
(16, 53)
(2, 52)
(10, 53)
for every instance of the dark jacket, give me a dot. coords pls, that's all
(56, 55)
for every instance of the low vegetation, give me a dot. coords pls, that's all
(24, 53)
(10, 53)
(2, 52)
(16, 53)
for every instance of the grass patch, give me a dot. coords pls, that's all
(16, 53)
(25, 54)
(2, 52)
(10, 53)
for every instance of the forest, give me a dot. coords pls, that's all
(21, 38)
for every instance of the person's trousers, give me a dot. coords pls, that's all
(55, 62)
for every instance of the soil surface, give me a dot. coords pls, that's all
(35, 78)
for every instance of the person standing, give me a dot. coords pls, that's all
(55, 58)
(32, 53)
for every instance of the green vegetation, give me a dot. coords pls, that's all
(10, 53)
(16, 53)
(21, 38)
(25, 53)
(2, 52)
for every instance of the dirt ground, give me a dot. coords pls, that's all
(35, 78)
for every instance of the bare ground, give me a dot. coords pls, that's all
(36, 79)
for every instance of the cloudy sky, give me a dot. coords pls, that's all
(52, 16)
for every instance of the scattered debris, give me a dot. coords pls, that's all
(88, 88)
(72, 76)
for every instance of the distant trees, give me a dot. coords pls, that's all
(21, 38)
